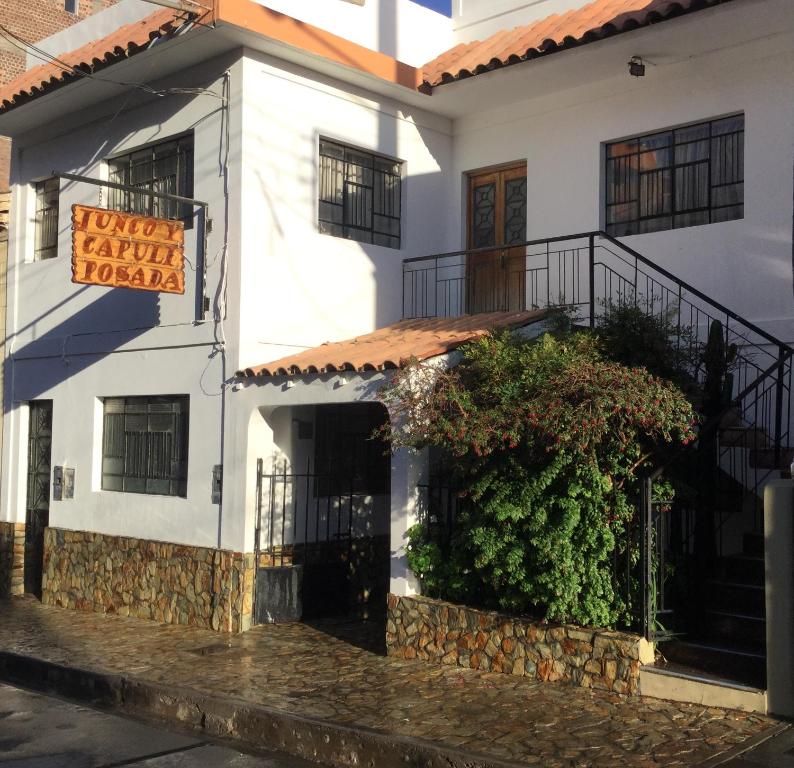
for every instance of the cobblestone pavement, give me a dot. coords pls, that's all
(322, 672)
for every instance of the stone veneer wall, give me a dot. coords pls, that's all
(169, 583)
(419, 627)
(12, 559)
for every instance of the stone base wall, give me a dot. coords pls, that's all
(169, 583)
(12, 559)
(418, 627)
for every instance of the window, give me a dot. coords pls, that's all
(166, 168)
(347, 458)
(144, 445)
(70, 6)
(360, 195)
(47, 198)
(678, 178)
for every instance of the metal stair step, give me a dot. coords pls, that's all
(743, 569)
(764, 458)
(753, 544)
(735, 596)
(740, 665)
(731, 629)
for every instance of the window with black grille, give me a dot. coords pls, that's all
(166, 168)
(360, 195)
(348, 459)
(144, 445)
(47, 200)
(678, 178)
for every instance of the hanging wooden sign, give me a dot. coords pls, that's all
(127, 250)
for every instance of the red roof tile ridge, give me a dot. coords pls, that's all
(390, 347)
(593, 21)
(134, 35)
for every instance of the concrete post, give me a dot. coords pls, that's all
(408, 470)
(779, 554)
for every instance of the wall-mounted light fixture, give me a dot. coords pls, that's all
(637, 67)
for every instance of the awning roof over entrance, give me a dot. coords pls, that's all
(391, 347)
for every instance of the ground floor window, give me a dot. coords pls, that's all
(349, 458)
(145, 445)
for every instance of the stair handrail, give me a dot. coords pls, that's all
(691, 289)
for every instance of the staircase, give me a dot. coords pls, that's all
(710, 615)
(730, 640)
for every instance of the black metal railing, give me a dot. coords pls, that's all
(589, 273)
(311, 517)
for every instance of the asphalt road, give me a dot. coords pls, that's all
(38, 731)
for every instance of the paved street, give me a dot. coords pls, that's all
(39, 731)
(777, 752)
(329, 680)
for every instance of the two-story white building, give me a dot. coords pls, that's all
(319, 154)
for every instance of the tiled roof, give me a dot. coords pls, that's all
(594, 21)
(124, 42)
(392, 346)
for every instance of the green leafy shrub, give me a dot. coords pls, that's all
(544, 439)
(656, 341)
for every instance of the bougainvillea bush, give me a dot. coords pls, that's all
(545, 439)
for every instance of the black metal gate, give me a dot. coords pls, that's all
(37, 513)
(329, 543)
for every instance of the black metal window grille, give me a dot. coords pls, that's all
(166, 168)
(360, 195)
(145, 445)
(347, 457)
(683, 177)
(46, 240)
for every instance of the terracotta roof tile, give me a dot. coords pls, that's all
(592, 22)
(124, 42)
(392, 346)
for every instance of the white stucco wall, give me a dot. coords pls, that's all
(302, 288)
(75, 344)
(291, 287)
(744, 264)
(400, 28)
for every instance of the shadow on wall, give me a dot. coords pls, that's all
(299, 264)
(84, 338)
(308, 271)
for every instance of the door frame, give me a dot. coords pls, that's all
(498, 172)
(34, 547)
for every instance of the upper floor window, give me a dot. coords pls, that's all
(677, 178)
(166, 168)
(47, 199)
(144, 445)
(70, 6)
(360, 195)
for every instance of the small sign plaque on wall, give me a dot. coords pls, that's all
(127, 250)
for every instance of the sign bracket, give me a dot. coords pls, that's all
(203, 306)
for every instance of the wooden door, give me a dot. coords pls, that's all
(37, 516)
(497, 217)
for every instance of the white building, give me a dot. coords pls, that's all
(324, 143)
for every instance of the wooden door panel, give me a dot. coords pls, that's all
(497, 217)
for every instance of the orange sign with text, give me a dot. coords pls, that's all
(127, 250)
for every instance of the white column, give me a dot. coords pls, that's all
(779, 554)
(408, 470)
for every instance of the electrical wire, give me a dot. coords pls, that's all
(48, 58)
